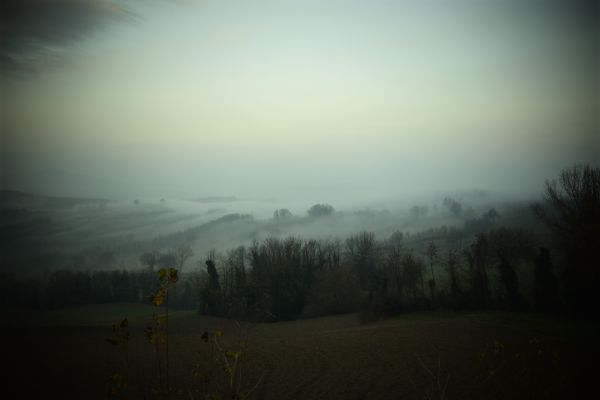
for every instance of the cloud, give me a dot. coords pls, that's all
(33, 32)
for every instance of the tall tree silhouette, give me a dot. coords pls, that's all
(508, 247)
(571, 209)
(546, 285)
(432, 253)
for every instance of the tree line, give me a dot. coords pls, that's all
(289, 278)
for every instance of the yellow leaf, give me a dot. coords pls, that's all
(162, 274)
(159, 297)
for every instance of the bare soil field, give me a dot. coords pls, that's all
(464, 356)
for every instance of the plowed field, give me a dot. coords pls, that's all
(413, 357)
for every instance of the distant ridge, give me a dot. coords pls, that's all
(16, 199)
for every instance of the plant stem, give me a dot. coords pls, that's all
(167, 344)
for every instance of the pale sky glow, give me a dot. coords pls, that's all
(273, 98)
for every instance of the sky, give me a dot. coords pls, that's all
(318, 100)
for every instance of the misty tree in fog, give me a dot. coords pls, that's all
(363, 255)
(571, 209)
(477, 255)
(393, 264)
(412, 273)
(235, 283)
(419, 211)
(150, 259)
(181, 254)
(482, 223)
(509, 246)
(282, 272)
(452, 263)
(432, 253)
(320, 210)
(491, 216)
(572, 205)
(329, 254)
(282, 214)
(147, 279)
(178, 256)
(211, 295)
(546, 285)
(455, 207)
(396, 239)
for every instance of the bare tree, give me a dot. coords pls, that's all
(363, 255)
(477, 255)
(182, 253)
(572, 210)
(572, 205)
(432, 253)
(412, 270)
(393, 248)
(509, 246)
(452, 265)
(282, 214)
(150, 259)
(320, 210)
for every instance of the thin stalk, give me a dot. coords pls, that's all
(167, 343)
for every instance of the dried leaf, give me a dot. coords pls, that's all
(204, 337)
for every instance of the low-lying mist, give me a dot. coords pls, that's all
(41, 233)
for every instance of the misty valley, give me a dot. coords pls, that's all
(46, 236)
(299, 199)
(255, 292)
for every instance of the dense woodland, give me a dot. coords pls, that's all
(481, 265)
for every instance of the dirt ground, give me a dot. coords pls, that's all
(462, 356)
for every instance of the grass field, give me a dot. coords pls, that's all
(64, 354)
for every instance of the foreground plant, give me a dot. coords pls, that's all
(118, 379)
(437, 379)
(221, 374)
(217, 377)
(158, 333)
